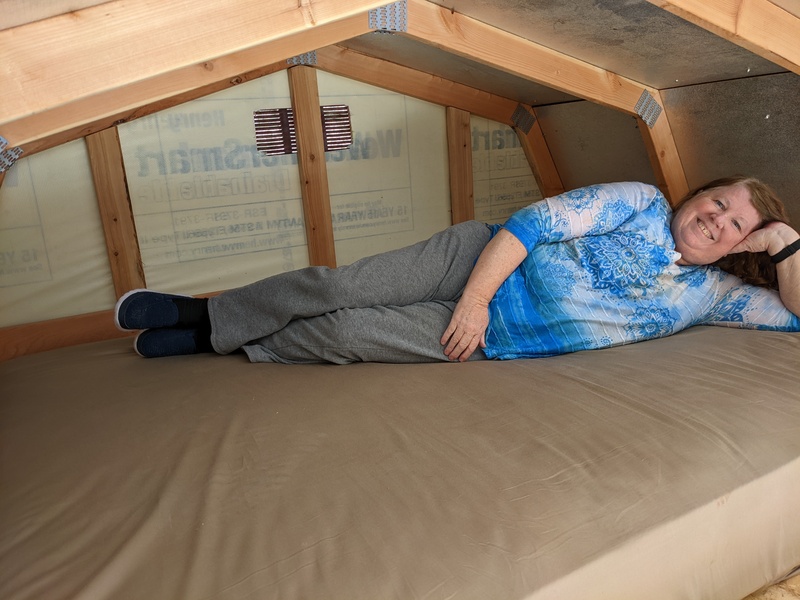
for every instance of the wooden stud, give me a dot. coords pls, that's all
(108, 172)
(116, 57)
(311, 162)
(459, 152)
(760, 26)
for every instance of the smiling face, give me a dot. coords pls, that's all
(710, 224)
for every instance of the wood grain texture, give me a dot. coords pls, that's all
(108, 172)
(417, 84)
(539, 158)
(116, 57)
(459, 156)
(663, 153)
(485, 44)
(19, 340)
(762, 27)
(461, 35)
(311, 162)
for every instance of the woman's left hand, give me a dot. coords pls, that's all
(772, 238)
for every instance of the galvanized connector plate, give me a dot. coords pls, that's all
(8, 156)
(309, 58)
(523, 119)
(392, 17)
(648, 109)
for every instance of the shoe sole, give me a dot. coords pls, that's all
(127, 295)
(136, 344)
(172, 344)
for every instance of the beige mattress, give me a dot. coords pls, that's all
(666, 469)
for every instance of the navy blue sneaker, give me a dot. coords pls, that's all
(146, 309)
(157, 343)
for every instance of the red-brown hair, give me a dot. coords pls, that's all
(754, 268)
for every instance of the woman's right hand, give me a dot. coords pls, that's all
(467, 329)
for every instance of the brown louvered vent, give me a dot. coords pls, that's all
(276, 134)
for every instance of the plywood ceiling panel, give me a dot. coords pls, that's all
(631, 37)
(429, 59)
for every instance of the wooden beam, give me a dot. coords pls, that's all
(539, 157)
(437, 90)
(456, 33)
(118, 56)
(108, 172)
(761, 26)
(19, 12)
(663, 154)
(464, 36)
(459, 153)
(417, 84)
(19, 340)
(63, 124)
(311, 162)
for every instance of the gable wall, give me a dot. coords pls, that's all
(575, 142)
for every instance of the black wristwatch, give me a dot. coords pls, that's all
(786, 252)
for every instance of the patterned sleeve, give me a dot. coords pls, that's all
(750, 307)
(591, 210)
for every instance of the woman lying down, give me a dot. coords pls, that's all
(596, 267)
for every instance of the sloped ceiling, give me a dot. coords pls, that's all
(429, 59)
(634, 39)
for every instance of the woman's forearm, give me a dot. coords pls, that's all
(772, 239)
(466, 330)
(788, 269)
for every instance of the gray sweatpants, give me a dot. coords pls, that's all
(391, 307)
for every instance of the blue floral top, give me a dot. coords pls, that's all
(601, 271)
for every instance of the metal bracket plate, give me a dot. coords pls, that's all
(392, 17)
(8, 156)
(523, 119)
(648, 109)
(309, 58)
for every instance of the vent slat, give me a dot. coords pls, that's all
(276, 134)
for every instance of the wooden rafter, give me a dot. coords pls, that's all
(761, 26)
(68, 72)
(461, 35)
(464, 36)
(663, 154)
(539, 157)
(437, 90)
(424, 86)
